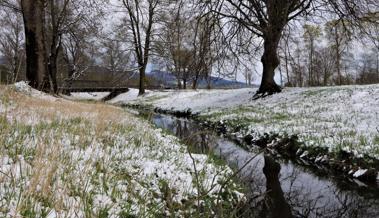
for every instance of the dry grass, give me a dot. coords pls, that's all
(87, 159)
(34, 110)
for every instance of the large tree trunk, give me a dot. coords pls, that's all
(36, 70)
(270, 62)
(142, 80)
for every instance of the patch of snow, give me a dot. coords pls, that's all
(304, 154)
(97, 96)
(24, 87)
(359, 173)
(198, 100)
(128, 96)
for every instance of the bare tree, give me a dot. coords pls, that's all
(368, 69)
(12, 42)
(296, 64)
(339, 38)
(203, 50)
(114, 56)
(141, 18)
(311, 34)
(77, 50)
(57, 14)
(174, 46)
(285, 54)
(267, 19)
(186, 43)
(64, 17)
(248, 77)
(326, 65)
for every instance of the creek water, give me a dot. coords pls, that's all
(276, 187)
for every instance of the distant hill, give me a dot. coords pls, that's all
(166, 79)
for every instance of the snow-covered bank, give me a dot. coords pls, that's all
(60, 158)
(338, 119)
(198, 101)
(96, 96)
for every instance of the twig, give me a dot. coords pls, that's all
(236, 173)
(197, 179)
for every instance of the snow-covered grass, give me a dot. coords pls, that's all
(336, 119)
(60, 158)
(95, 96)
(198, 101)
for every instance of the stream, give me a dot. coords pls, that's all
(276, 187)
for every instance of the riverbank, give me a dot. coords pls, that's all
(279, 181)
(336, 127)
(61, 158)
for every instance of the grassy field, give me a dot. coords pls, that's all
(336, 119)
(60, 158)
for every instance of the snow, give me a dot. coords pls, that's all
(344, 118)
(131, 95)
(24, 87)
(359, 173)
(76, 152)
(97, 96)
(197, 101)
(304, 154)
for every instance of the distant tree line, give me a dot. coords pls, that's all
(325, 55)
(45, 38)
(58, 40)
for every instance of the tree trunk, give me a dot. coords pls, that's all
(53, 59)
(52, 67)
(36, 70)
(209, 82)
(54, 48)
(184, 83)
(310, 76)
(287, 72)
(15, 67)
(286, 53)
(270, 62)
(325, 77)
(338, 55)
(179, 83)
(142, 80)
(194, 82)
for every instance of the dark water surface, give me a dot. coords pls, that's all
(276, 187)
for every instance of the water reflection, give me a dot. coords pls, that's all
(278, 188)
(274, 203)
